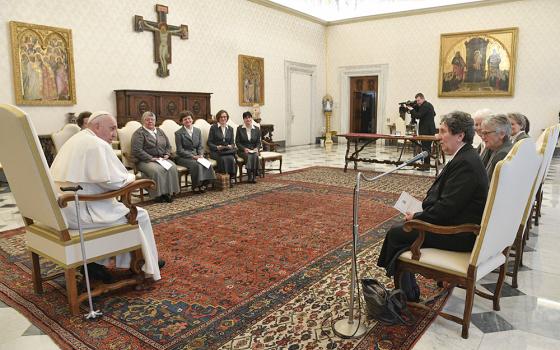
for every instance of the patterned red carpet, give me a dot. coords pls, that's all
(259, 266)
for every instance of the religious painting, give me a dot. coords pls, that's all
(43, 65)
(251, 80)
(477, 64)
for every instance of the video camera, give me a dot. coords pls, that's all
(403, 109)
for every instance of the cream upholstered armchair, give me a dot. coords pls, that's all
(204, 127)
(169, 127)
(47, 234)
(500, 222)
(538, 200)
(545, 148)
(125, 139)
(61, 136)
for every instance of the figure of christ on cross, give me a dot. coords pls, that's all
(162, 37)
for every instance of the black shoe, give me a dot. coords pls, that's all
(161, 263)
(231, 182)
(160, 199)
(168, 198)
(202, 189)
(98, 272)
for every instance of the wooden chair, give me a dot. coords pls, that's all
(169, 126)
(47, 234)
(500, 222)
(545, 148)
(61, 136)
(538, 200)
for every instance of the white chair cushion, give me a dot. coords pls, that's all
(269, 155)
(456, 263)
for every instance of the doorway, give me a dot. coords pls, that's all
(301, 109)
(363, 104)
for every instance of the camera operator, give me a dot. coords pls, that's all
(424, 112)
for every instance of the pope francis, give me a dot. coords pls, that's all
(87, 159)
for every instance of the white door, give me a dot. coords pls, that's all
(300, 100)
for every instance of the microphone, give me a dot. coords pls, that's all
(417, 157)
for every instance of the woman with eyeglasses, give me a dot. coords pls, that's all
(495, 133)
(222, 146)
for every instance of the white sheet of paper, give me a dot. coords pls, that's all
(205, 162)
(164, 163)
(252, 151)
(407, 203)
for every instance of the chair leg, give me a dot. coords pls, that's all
(72, 291)
(468, 308)
(280, 166)
(518, 254)
(263, 162)
(538, 206)
(36, 274)
(499, 285)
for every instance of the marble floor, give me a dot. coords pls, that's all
(529, 317)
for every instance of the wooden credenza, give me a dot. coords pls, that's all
(165, 104)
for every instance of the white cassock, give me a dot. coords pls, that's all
(90, 162)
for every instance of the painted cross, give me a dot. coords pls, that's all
(162, 37)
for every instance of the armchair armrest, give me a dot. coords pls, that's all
(422, 227)
(124, 193)
(271, 145)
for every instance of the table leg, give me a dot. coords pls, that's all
(356, 152)
(346, 156)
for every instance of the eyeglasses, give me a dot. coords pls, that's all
(486, 133)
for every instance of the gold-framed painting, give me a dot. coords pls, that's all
(251, 80)
(43, 64)
(478, 64)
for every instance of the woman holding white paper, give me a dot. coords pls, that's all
(151, 150)
(248, 141)
(190, 153)
(457, 196)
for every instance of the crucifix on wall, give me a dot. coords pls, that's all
(162, 37)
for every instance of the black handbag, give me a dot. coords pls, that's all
(387, 307)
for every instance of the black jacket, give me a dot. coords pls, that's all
(425, 115)
(458, 195)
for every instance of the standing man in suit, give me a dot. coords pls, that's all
(188, 140)
(248, 141)
(424, 112)
(457, 196)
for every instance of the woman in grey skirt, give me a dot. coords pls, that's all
(248, 141)
(188, 140)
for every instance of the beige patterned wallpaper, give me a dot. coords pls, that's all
(410, 47)
(109, 55)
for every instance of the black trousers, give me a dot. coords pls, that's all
(398, 241)
(427, 146)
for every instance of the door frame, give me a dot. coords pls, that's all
(345, 73)
(308, 69)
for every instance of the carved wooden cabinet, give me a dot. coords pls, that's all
(165, 104)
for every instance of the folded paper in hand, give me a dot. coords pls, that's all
(164, 163)
(408, 204)
(205, 162)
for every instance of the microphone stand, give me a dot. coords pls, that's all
(350, 328)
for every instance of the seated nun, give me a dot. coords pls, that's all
(188, 140)
(222, 146)
(87, 159)
(496, 131)
(248, 141)
(151, 150)
(518, 126)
